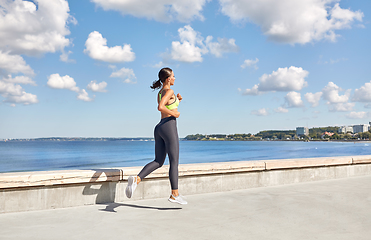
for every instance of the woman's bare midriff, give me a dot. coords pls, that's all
(164, 115)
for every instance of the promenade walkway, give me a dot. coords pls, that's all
(332, 209)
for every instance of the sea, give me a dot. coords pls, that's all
(20, 156)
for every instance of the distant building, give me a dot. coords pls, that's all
(345, 129)
(302, 131)
(360, 128)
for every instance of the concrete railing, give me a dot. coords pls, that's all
(27, 191)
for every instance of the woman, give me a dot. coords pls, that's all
(166, 136)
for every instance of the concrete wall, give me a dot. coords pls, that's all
(58, 189)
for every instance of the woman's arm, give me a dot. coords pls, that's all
(165, 99)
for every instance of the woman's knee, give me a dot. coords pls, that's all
(159, 162)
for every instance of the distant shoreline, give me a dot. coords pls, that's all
(70, 139)
(278, 140)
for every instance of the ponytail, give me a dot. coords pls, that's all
(156, 84)
(162, 76)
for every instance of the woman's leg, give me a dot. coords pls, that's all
(160, 155)
(169, 134)
(172, 146)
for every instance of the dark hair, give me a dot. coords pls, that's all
(162, 76)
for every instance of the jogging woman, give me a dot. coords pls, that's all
(166, 136)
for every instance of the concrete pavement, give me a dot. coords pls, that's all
(331, 209)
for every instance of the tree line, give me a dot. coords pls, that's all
(314, 134)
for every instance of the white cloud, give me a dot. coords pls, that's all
(292, 21)
(185, 52)
(64, 57)
(313, 98)
(336, 102)
(250, 63)
(84, 96)
(96, 48)
(331, 61)
(9, 86)
(192, 46)
(24, 98)
(260, 112)
(29, 29)
(331, 94)
(281, 110)
(341, 107)
(14, 93)
(163, 11)
(357, 115)
(10, 89)
(97, 87)
(13, 64)
(65, 82)
(363, 94)
(19, 79)
(253, 91)
(125, 73)
(293, 99)
(158, 65)
(223, 45)
(284, 79)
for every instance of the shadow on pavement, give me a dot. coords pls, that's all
(105, 191)
(111, 207)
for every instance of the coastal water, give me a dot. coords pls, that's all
(52, 155)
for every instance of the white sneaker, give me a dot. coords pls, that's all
(179, 199)
(132, 185)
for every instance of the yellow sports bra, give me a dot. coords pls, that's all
(172, 105)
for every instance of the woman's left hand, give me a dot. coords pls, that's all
(179, 97)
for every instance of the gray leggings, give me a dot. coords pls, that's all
(166, 142)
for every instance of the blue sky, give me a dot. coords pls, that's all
(83, 68)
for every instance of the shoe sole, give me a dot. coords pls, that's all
(175, 201)
(128, 191)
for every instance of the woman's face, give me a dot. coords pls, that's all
(172, 78)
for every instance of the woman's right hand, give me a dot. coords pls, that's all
(176, 113)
